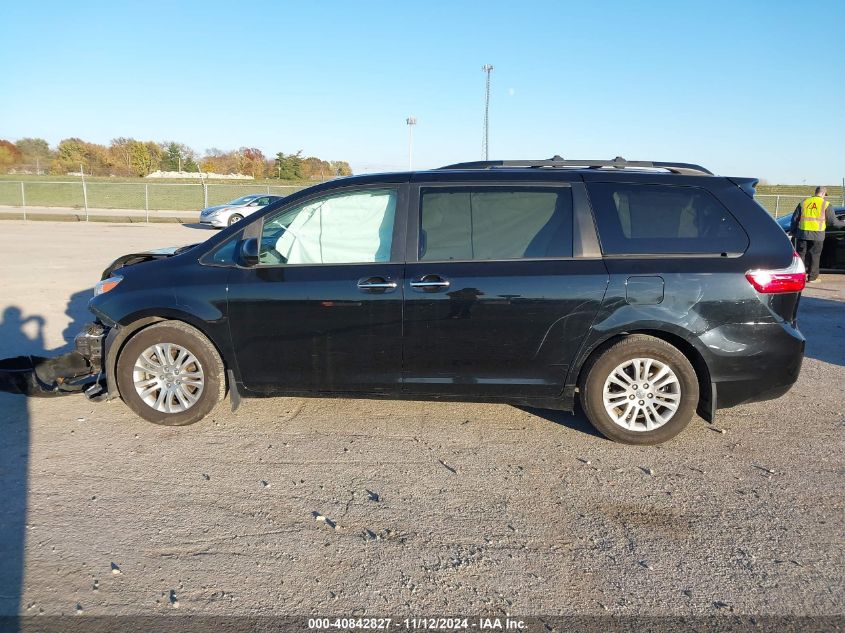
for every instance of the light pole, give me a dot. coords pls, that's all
(485, 146)
(411, 121)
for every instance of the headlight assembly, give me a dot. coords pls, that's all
(106, 285)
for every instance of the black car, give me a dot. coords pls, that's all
(648, 291)
(833, 251)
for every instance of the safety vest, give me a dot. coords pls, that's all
(812, 214)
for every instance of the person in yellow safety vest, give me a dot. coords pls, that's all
(809, 221)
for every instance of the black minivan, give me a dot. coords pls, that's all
(645, 290)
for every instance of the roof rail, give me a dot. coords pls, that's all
(688, 169)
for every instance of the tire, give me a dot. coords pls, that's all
(237, 217)
(630, 423)
(203, 378)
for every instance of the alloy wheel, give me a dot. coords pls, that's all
(168, 377)
(641, 394)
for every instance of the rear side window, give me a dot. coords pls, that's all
(638, 219)
(466, 223)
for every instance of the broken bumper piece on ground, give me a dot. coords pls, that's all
(73, 372)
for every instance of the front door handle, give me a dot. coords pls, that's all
(376, 284)
(430, 283)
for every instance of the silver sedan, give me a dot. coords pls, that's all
(227, 214)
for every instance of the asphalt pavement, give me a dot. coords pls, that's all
(316, 506)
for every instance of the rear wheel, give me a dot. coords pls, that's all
(170, 373)
(640, 390)
(235, 218)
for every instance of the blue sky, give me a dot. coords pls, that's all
(744, 88)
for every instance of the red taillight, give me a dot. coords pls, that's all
(791, 279)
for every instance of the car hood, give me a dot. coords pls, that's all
(208, 210)
(138, 258)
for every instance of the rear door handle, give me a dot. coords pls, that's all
(376, 284)
(430, 283)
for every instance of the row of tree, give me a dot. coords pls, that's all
(130, 157)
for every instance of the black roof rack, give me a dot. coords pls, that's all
(687, 169)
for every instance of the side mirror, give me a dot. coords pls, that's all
(249, 251)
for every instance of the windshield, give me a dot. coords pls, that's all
(242, 200)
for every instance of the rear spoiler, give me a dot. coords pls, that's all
(748, 185)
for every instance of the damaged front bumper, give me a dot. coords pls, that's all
(90, 343)
(78, 371)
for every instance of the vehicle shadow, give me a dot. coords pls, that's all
(197, 225)
(822, 322)
(78, 315)
(576, 420)
(24, 335)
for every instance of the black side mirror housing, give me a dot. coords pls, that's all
(249, 252)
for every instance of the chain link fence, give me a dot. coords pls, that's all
(779, 205)
(139, 196)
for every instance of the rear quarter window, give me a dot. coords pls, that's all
(641, 219)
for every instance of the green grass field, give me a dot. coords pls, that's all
(188, 194)
(131, 193)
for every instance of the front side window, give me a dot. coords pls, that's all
(341, 228)
(485, 223)
(663, 219)
(225, 254)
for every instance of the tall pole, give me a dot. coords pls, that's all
(84, 190)
(485, 147)
(204, 188)
(411, 121)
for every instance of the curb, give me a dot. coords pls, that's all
(73, 217)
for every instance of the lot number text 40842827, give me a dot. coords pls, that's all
(417, 624)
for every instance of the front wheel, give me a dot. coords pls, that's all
(640, 390)
(170, 373)
(234, 219)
